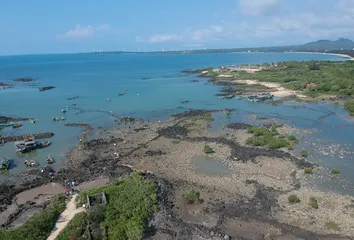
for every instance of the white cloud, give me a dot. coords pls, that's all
(160, 38)
(84, 32)
(204, 34)
(256, 7)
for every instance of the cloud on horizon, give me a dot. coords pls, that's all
(80, 32)
(278, 20)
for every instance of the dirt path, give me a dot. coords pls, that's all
(65, 217)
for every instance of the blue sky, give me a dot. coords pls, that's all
(43, 26)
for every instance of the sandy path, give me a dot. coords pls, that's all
(65, 217)
(279, 90)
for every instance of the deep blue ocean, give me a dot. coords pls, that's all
(94, 78)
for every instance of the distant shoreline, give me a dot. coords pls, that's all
(333, 54)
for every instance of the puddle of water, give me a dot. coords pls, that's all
(210, 166)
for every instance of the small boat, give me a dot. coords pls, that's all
(108, 99)
(30, 163)
(55, 119)
(26, 145)
(66, 107)
(229, 96)
(50, 160)
(63, 111)
(76, 107)
(17, 125)
(74, 104)
(63, 118)
(121, 94)
(44, 144)
(33, 121)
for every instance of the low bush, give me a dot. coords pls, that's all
(292, 137)
(40, 225)
(269, 138)
(191, 197)
(293, 199)
(308, 170)
(314, 203)
(303, 154)
(335, 171)
(349, 106)
(208, 117)
(208, 149)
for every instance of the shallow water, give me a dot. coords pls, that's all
(209, 166)
(94, 78)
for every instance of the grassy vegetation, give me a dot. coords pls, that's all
(308, 170)
(208, 117)
(191, 197)
(303, 153)
(349, 106)
(314, 203)
(330, 77)
(270, 138)
(293, 199)
(208, 150)
(40, 225)
(130, 204)
(331, 225)
(335, 171)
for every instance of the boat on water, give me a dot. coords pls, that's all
(63, 118)
(229, 96)
(50, 160)
(30, 163)
(4, 164)
(44, 144)
(16, 125)
(27, 145)
(63, 111)
(55, 119)
(108, 99)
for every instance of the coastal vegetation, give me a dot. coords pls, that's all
(40, 225)
(269, 138)
(303, 153)
(293, 199)
(349, 106)
(130, 204)
(208, 117)
(208, 150)
(335, 171)
(191, 197)
(314, 203)
(308, 170)
(313, 78)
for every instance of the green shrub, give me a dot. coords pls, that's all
(314, 203)
(130, 203)
(335, 171)
(293, 199)
(292, 137)
(208, 149)
(191, 197)
(40, 225)
(308, 170)
(331, 225)
(208, 117)
(349, 106)
(303, 154)
(265, 137)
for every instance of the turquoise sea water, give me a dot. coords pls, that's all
(94, 78)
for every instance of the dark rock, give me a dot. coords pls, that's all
(195, 80)
(42, 89)
(25, 79)
(85, 126)
(145, 78)
(22, 137)
(184, 102)
(4, 119)
(73, 98)
(238, 126)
